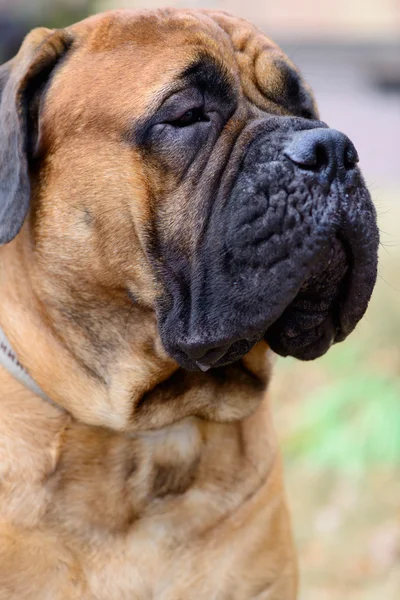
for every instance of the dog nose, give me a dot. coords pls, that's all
(322, 150)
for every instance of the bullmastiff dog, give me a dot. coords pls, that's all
(171, 206)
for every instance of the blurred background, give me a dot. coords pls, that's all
(339, 417)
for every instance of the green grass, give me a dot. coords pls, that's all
(352, 424)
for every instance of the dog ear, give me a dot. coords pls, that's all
(22, 82)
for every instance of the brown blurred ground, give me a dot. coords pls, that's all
(338, 417)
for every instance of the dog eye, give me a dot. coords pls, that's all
(195, 115)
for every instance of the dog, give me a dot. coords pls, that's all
(172, 212)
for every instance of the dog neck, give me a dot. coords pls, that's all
(88, 479)
(106, 367)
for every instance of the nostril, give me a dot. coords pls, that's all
(321, 156)
(350, 156)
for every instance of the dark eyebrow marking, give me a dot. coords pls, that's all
(291, 93)
(209, 75)
(292, 84)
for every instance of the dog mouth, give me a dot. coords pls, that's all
(310, 323)
(324, 308)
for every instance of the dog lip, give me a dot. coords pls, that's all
(322, 293)
(205, 358)
(338, 286)
(222, 353)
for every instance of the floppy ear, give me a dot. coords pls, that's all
(22, 82)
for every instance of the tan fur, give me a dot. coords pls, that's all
(154, 483)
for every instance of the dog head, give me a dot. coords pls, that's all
(174, 167)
